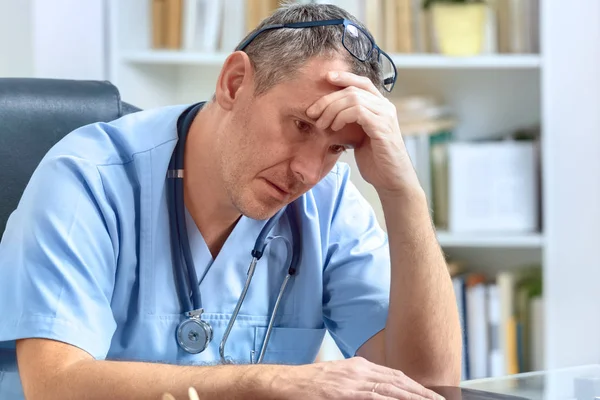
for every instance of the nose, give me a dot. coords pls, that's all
(308, 165)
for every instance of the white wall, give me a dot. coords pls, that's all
(69, 39)
(53, 39)
(16, 57)
(571, 147)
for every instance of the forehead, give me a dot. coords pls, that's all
(308, 85)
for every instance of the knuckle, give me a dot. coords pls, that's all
(325, 115)
(401, 374)
(362, 360)
(358, 364)
(355, 94)
(385, 388)
(362, 110)
(391, 107)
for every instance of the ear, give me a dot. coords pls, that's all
(236, 76)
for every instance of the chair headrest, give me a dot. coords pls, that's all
(34, 115)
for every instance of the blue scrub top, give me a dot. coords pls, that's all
(86, 259)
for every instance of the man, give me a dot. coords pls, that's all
(89, 295)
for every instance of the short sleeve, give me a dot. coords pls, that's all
(58, 258)
(357, 271)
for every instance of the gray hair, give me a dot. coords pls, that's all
(277, 54)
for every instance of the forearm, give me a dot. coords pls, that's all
(422, 335)
(90, 379)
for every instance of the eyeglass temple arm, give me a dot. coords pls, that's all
(309, 24)
(246, 42)
(306, 24)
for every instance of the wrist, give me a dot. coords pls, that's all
(267, 382)
(406, 211)
(406, 194)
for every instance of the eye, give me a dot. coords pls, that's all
(303, 126)
(337, 148)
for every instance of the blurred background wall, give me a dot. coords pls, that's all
(16, 53)
(59, 39)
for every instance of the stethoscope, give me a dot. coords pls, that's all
(194, 334)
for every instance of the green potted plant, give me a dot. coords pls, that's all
(459, 25)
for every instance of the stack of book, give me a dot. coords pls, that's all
(398, 26)
(502, 319)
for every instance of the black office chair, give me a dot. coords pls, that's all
(35, 114)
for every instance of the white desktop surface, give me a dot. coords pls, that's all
(574, 383)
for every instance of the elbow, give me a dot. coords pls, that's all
(440, 377)
(429, 362)
(435, 372)
(432, 379)
(443, 371)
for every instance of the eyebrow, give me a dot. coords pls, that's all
(302, 112)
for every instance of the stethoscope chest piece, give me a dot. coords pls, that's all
(194, 334)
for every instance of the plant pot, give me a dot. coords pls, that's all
(459, 27)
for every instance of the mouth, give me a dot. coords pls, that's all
(283, 193)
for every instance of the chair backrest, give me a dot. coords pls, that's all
(35, 114)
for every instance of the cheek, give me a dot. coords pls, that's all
(329, 164)
(265, 141)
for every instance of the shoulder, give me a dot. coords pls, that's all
(104, 164)
(119, 141)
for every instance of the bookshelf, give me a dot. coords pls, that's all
(489, 93)
(420, 61)
(496, 240)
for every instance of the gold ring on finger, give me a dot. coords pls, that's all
(374, 390)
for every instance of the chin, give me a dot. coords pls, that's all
(260, 215)
(258, 210)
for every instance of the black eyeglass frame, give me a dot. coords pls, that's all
(346, 23)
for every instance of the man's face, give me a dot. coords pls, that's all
(271, 152)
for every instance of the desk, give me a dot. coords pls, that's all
(575, 383)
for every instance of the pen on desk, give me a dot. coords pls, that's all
(192, 394)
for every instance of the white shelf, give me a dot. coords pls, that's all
(492, 61)
(503, 61)
(508, 240)
(174, 57)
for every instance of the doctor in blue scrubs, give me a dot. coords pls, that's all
(90, 304)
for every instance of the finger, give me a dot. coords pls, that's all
(168, 396)
(352, 98)
(373, 396)
(390, 390)
(315, 111)
(412, 386)
(356, 114)
(403, 381)
(345, 78)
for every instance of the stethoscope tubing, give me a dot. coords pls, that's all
(182, 257)
(240, 301)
